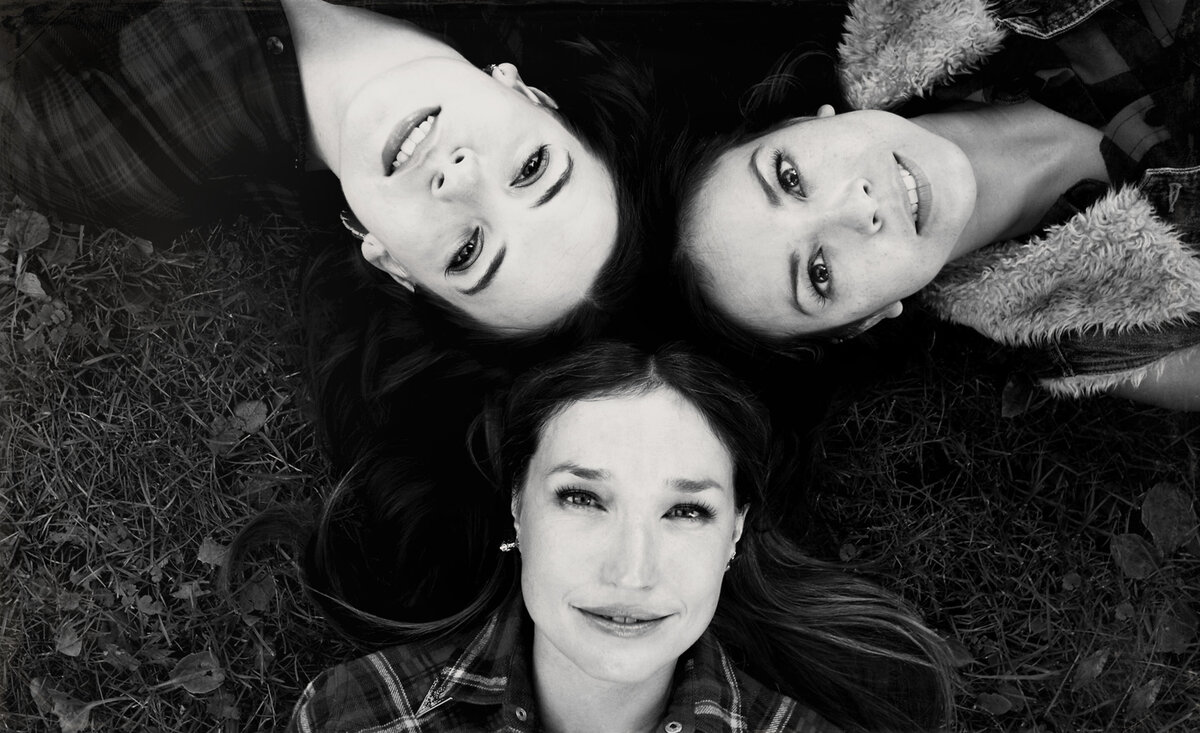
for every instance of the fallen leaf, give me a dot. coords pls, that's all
(847, 552)
(1089, 669)
(147, 606)
(253, 415)
(257, 595)
(211, 552)
(994, 704)
(960, 655)
(67, 641)
(31, 285)
(27, 229)
(121, 659)
(1175, 627)
(1071, 581)
(198, 673)
(1144, 696)
(1017, 396)
(1167, 512)
(73, 715)
(1134, 556)
(1014, 696)
(1124, 611)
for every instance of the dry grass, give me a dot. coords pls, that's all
(151, 402)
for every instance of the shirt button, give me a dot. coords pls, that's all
(673, 727)
(522, 715)
(274, 45)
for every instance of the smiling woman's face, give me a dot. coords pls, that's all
(626, 520)
(828, 220)
(470, 188)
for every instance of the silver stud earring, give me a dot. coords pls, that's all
(732, 557)
(489, 69)
(510, 546)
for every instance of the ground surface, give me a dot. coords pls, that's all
(151, 400)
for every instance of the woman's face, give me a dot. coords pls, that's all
(828, 220)
(471, 189)
(626, 522)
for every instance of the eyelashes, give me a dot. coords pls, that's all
(570, 497)
(788, 176)
(468, 253)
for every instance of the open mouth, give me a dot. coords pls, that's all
(621, 623)
(406, 138)
(916, 188)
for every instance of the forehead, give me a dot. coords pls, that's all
(554, 252)
(741, 245)
(654, 434)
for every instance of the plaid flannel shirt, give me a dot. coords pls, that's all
(151, 119)
(1131, 69)
(485, 685)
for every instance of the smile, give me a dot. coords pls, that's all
(625, 623)
(406, 138)
(917, 190)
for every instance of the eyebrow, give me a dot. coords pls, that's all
(590, 474)
(794, 272)
(694, 486)
(772, 197)
(488, 276)
(557, 185)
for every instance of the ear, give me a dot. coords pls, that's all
(888, 311)
(825, 110)
(739, 523)
(515, 507)
(375, 253)
(508, 75)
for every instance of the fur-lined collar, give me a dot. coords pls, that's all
(1113, 267)
(894, 50)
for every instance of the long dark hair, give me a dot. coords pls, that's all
(849, 649)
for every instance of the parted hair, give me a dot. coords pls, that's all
(854, 652)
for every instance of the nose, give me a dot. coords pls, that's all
(856, 208)
(456, 175)
(632, 557)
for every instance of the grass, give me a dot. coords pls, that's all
(152, 401)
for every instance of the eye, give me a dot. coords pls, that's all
(577, 498)
(788, 176)
(819, 275)
(468, 253)
(532, 168)
(693, 512)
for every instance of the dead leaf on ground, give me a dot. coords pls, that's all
(211, 552)
(29, 284)
(253, 415)
(26, 229)
(1144, 696)
(198, 673)
(1167, 512)
(994, 704)
(67, 641)
(1089, 669)
(73, 715)
(1175, 627)
(1134, 556)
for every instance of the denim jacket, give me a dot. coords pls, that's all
(1098, 299)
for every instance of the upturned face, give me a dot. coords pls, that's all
(470, 188)
(825, 221)
(626, 521)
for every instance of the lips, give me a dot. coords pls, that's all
(917, 190)
(408, 138)
(623, 621)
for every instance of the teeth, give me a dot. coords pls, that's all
(910, 186)
(419, 133)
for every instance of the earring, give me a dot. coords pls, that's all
(510, 546)
(732, 557)
(350, 221)
(489, 69)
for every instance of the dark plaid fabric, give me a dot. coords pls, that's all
(1130, 68)
(151, 118)
(482, 682)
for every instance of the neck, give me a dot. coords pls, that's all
(340, 48)
(1024, 157)
(570, 701)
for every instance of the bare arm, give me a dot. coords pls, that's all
(1176, 388)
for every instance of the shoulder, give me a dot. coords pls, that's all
(764, 709)
(375, 690)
